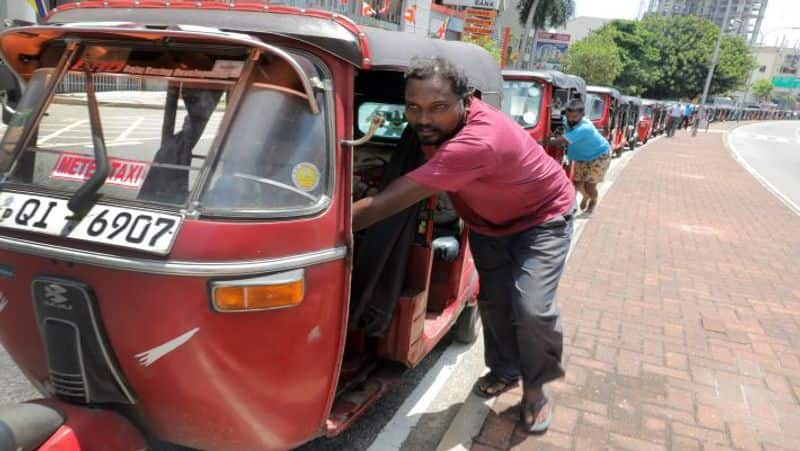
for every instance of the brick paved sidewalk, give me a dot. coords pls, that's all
(681, 309)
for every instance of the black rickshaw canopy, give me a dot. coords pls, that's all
(558, 79)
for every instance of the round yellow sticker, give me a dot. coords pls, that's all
(305, 176)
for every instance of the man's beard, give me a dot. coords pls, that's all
(439, 135)
(572, 123)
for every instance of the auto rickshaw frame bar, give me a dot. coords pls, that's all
(173, 267)
(142, 33)
(58, 76)
(362, 60)
(225, 125)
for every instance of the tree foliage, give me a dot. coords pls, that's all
(597, 59)
(488, 44)
(762, 89)
(668, 57)
(637, 53)
(549, 13)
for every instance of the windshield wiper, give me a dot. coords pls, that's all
(85, 197)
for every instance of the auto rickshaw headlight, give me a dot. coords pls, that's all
(262, 293)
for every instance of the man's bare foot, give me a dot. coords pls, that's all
(537, 413)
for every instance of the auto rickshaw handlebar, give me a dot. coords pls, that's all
(375, 124)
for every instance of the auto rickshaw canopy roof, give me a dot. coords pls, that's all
(558, 79)
(613, 92)
(632, 100)
(364, 47)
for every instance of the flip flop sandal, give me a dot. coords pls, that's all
(534, 408)
(493, 381)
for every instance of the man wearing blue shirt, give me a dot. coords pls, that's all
(688, 110)
(587, 148)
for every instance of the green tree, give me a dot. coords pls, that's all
(547, 13)
(762, 89)
(637, 54)
(596, 58)
(668, 57)
(488, 44)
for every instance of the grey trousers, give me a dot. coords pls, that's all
(519, 275)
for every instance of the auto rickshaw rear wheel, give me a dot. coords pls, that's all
(467, 325)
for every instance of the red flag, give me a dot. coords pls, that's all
(442, 33)
(411, 15)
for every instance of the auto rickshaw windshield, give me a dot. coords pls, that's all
(522, 101)
(162, 110)
(594, 106)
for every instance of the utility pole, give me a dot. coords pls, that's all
(526, 31)
(714, 61)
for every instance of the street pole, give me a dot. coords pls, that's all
(742, 101)
(714, 61)
(526, 31)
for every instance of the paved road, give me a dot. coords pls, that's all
(772, 150)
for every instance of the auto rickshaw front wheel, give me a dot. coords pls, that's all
(467, 325)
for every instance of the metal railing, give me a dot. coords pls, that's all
(76, 83)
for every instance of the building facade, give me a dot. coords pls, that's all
(744, 19)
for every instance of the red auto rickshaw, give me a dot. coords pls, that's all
(660, 115)
(626, 120)
(646, 122)
(537, 99)
(176, 257)
(602, 103)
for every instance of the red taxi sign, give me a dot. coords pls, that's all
(79, 168)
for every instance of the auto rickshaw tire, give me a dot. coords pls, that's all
(467, 325)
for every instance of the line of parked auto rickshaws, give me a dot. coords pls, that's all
(536, 100)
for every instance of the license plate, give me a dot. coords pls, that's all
(124, 227)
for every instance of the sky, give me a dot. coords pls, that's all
(780, 14)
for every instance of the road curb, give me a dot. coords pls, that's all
(467, 423)
(744, 164)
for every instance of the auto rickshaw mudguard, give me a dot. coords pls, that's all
(49, 425)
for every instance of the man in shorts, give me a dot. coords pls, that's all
(587, 148)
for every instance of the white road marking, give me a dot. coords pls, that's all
(75, 124)
(769, 186)
(397, 429)
(148, 357)
(124, 135)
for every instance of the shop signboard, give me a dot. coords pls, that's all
(550, 47)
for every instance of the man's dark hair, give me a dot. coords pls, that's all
(426, 68)
(575, 105)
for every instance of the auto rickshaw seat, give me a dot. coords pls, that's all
(28, 425)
